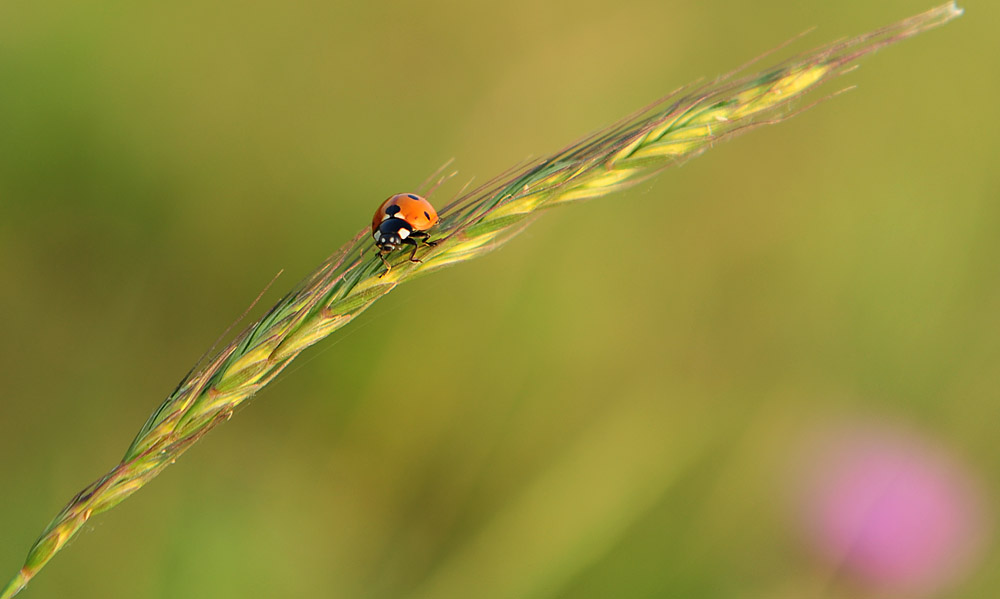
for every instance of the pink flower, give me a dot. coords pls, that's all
(893, 511)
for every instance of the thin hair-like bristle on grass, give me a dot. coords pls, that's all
(671, 130)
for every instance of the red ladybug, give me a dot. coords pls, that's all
(403, 218)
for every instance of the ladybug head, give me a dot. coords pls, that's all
(391, 233)
(388, 243)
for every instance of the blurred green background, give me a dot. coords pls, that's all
(607, 407)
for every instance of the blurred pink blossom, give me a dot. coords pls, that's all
(892, 510)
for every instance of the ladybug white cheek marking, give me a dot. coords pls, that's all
(403, 233)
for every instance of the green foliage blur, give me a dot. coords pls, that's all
(613, 405)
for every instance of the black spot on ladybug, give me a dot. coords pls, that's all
(412, 197)
(392, 210)
(427, 216)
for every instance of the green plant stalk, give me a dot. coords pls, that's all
(676, 128)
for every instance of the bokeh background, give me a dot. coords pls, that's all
(685, 390)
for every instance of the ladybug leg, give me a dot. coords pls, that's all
(413, 254)
(388, 266)
(423, 236)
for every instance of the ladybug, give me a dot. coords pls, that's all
(403, 218)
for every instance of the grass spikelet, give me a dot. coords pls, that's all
(674, 129)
